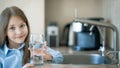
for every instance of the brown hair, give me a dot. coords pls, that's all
(4, 20)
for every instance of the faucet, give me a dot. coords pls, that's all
(102, 50)
(115, 34)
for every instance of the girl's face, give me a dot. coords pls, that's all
(17, 30)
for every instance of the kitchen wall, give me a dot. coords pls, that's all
(63, 11)
(34, 10)
(111, 12)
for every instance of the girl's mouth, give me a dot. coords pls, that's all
(20, 36)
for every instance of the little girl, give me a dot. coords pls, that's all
(14, 41)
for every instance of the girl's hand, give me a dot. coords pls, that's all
(38, 51)
(47, 56)
(41, 51)
(28, 65)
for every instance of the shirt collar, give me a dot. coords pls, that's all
(6, 49)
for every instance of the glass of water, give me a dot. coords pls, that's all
(36, 46)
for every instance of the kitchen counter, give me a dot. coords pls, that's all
(69, 51)
(76, 66)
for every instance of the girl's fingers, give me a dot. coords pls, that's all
(38, 51)
(28, 65)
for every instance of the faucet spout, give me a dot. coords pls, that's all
(115, 35)
(102, 50)
(106, 25)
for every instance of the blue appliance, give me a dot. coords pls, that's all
(84, 39)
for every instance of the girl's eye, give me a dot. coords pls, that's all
(22, 26)
(12, 28)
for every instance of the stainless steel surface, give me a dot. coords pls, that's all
(87, 59)
(106, 25)
(67, 51)
(115, 34)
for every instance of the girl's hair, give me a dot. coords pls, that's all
(4, 21)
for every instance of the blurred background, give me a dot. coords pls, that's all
(44, 13)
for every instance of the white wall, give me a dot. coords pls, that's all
(34, 10)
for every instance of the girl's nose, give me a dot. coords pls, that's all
(18, 31)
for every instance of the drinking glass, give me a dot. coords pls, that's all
(36, 46)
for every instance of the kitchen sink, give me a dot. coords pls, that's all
(87, 59)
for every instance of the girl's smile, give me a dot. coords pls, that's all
(17, 31)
